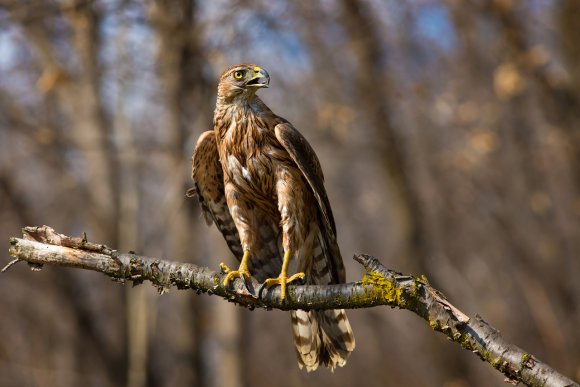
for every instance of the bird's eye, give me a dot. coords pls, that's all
(239, 74)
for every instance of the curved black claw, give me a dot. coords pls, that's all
(260, 290)
(248, 285)
(242, 273)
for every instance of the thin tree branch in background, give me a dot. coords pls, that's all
(380, 286)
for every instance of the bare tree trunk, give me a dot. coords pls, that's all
(76, 93)
(180, 65)
(373, 88)
(527, 64)
(137, 298)
(82, 101)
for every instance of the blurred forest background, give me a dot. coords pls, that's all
(448, 131)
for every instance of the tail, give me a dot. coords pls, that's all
(322, 337)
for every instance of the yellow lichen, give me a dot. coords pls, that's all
(434, 324)
(384, 290)
(526, 360)
(388, 292)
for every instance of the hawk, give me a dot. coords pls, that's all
(260, 182)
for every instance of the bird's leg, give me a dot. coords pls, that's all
(243, 272)
(283, 278)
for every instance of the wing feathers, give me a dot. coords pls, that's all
(303, 155)
(208, 177)
(305, 158)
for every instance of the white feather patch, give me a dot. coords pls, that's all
(246, 174)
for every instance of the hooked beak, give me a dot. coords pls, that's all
(261, 79)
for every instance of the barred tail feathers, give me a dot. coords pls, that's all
(322, 337)
(306, 339)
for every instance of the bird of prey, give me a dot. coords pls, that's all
(260, 182)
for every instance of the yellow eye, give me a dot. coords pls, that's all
(239, 74)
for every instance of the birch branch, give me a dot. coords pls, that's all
(380, 286)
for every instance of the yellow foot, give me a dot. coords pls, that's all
(244, 274)
(242, 271)
(282, 280)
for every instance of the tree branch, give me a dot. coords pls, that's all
(380, 286)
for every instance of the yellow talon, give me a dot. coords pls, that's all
(236, 274)
(283, 278)
(242, 271)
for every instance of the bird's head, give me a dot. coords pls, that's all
(242, 81)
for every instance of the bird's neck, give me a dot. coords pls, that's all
(234, 116)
